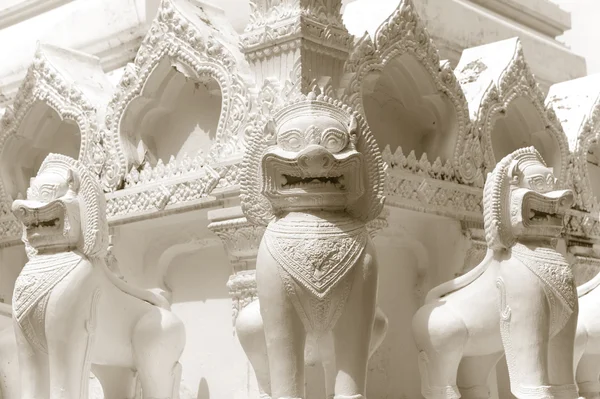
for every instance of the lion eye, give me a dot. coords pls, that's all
(292, 140)
(47, 192)
(334, 140)
(551, 181)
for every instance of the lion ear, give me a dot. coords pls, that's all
(513, 172)
(269, 132)
(73, 181)
(353, 125)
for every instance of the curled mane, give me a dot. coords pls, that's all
(496, 206)
(258, 209)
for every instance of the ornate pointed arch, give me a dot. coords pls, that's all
(70, 85)
(198, 42)
(507, 109)
(402, 45)
(577, 107)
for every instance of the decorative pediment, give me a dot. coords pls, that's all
(189, 58)
(57, 109)
(410, 99)
(507, 109)
(577, 107)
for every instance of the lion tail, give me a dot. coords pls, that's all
(587, 287)
(154, 297)
(460, 282)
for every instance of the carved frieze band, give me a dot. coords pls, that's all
(278, 28)
(425, 194)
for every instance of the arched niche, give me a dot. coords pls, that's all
(177, 115)
(521, 125)
(404, 108)
(576, 104)
(42, 131)
(507, 110)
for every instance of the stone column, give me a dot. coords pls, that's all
(296, 41)
(241, 240)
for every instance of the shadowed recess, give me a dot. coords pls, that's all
(404, 108)
(176, 116)
(521, 126)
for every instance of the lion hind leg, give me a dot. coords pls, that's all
(158, 341)
(116, 382)
(440, 335)
(474, 373)
(588, 376)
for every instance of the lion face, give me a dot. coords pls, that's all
(50, 215)
(521, 201)
(539, 207)
(314, 164)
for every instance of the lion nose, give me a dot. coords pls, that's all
(18, 209)
(315, 160)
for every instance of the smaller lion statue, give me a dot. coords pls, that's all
(587, 340)
(520, 300)
(314, 177)
(69, 310)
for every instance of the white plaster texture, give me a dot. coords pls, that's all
(168, 131)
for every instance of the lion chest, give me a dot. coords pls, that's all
(315, 259)
(38, 277)
(317, 254)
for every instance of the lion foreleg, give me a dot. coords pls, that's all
(354, 329)
(284, 331)
(525, 329)
(33, 365)
(70, 343)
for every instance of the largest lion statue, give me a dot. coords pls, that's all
(521, 300)
(314, 178)
(70, 310)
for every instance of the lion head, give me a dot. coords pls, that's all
(521, 201)
(314, 154)
(64, 209)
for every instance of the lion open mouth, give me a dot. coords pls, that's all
(41, 224)
(546, 217)
(290, 182)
